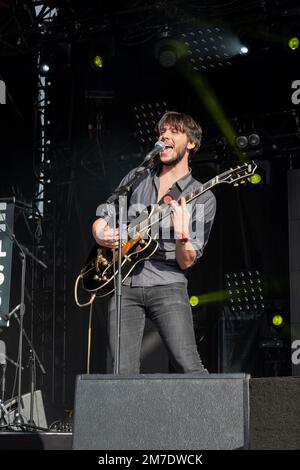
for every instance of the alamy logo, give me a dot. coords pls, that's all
(296, 94)
(2, 92)
(296, 353)
(3, 207)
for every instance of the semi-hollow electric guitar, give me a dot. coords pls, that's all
(98, 275)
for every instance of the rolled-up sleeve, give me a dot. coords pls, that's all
(202, 219)
(107, 210)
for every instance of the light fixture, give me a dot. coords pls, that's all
(209, 46)
(277, 320)
(244, 50)
(248, 140)
(255, 179)
(147, 115)
(245, 291)
(194, 300)
(254, 140)
(97, 61)
(44, 68)
(241, 141)
(166, 50)
(294, 43)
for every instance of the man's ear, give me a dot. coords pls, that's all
(191, 145)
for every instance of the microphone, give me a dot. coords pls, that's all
(158, 147)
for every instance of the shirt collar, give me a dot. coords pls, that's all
(181, 183)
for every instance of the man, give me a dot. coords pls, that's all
(157, 287)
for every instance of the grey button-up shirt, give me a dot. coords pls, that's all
(162, 268)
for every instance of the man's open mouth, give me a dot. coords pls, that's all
(167, 149)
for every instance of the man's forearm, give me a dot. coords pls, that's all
(185, 254)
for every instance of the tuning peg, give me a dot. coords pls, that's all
(235, 184)
(242, 182)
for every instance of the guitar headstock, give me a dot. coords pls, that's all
(239, 174)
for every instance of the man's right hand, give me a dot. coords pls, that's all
(104, 235)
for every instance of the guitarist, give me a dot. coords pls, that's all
(157, 287)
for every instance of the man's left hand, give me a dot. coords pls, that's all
(181, 218)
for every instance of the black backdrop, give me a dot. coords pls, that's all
(251, 219)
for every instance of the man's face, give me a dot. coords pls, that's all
(177, 146)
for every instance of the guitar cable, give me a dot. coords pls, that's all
(89, 339)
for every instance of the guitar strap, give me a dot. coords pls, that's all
(175, 192)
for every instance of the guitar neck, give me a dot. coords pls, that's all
(145, 224)
(230, 176)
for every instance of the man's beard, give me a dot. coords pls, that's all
(177, 159)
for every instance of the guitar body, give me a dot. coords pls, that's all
(98, 276)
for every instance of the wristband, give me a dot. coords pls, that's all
(184, 238)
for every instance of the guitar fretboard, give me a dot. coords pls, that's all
(142, 223)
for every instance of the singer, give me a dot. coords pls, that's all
(157, 287)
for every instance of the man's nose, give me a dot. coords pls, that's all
(165, 135)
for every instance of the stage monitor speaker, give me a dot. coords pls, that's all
(39, 417)
(155, 412)
(275, 411)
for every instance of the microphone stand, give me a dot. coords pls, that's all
(32, 361)
(119, 290)
(119, 194)
(18, 420)
(3, 410)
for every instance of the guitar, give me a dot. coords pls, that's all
(98, 275)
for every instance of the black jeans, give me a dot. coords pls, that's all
(169, 309)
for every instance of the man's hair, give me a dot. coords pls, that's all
(183, 123)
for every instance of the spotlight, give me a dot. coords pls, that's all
(165, 53)
(194, 300)
(255, 179)
(244, 50)
(44, 68)
(277, 320)
(167, 57)
(241, 141)
(245, 291)
(254, 140)
(294, 43)
(97, 61)
(147, 115)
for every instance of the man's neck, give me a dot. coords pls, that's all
(177, 171)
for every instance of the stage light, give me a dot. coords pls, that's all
(277, 320)
(294, 43)
(209, 298)
(97, 62)
(194, 300)
(44, 68)
(167, 50)
(167, 57)
(245, 291)
(244, 50)
(209, 47)
(255, 179)
(254, 140)
(241, 141)
(146, 116)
